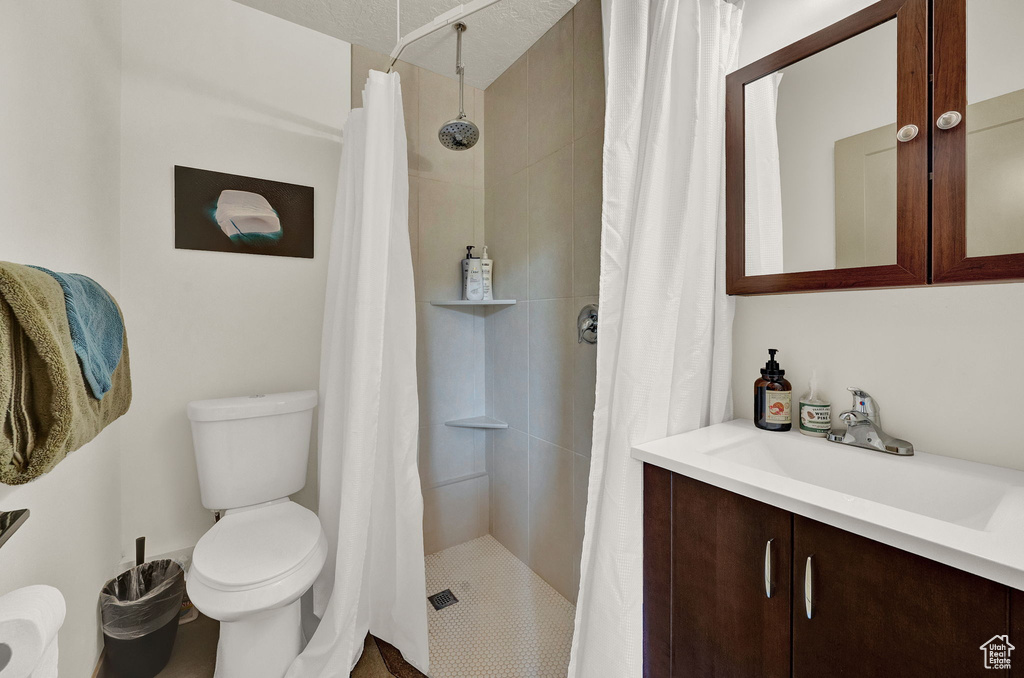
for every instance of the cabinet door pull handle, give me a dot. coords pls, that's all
(907, 133)
(809, 588)
(949, 120)
(769, 589)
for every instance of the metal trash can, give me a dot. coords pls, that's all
(140, 610)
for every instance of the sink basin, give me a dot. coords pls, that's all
(924, 484)
(960, 513)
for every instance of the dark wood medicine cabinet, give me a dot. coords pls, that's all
(903, 125)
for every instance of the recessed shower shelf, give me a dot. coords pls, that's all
(477, 422)
(465, 302)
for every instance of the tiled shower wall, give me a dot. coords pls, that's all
(446, 213)
(545, 118)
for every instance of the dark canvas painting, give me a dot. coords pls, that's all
(229, 213)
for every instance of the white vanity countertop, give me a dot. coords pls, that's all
(964, 514)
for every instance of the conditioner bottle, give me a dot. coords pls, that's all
(486, 267)
(773, 397)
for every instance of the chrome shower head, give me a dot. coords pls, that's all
(459, 134)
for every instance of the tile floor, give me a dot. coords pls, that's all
(195, 654)
(508, 622)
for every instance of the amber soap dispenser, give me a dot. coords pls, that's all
(773, 397)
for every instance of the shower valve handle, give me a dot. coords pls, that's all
(586, 325)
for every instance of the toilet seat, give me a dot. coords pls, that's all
(256, 559)
(255, 547)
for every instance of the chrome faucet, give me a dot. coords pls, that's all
(864, 428)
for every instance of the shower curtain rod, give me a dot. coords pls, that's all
(450, 17)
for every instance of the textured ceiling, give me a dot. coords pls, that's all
(496, 37)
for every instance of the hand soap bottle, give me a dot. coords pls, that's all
(773, 397)
(472, 277)
(486, 267)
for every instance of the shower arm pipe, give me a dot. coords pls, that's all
(450, 17)
(460, 68)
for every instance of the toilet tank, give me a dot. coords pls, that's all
(251, 449)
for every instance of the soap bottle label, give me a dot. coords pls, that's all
(779, 406)
(815, 418)
(486, 268)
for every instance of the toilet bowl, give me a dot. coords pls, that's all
(252, 567)
(248, 572)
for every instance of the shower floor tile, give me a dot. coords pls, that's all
(508, 623)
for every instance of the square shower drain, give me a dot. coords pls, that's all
(442, 599)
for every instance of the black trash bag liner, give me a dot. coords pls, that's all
(142, 600)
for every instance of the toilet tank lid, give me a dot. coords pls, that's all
(245, 407)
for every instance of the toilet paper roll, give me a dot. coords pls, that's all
(30, 618)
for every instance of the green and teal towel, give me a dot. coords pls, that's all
(94, 322)
(51, 407)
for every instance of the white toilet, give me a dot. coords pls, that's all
(251, 568)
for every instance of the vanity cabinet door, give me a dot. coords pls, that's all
(880, 611)
(706, 608)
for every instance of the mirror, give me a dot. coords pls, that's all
(10, 522)
(995, 127)
(820, 159)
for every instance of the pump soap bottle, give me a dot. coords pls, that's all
(486, 268)
(773, 397)
(472, 276)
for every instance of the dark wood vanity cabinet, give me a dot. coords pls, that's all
(713, 554)
(880, 611)
(1017, 629)
(876, 611)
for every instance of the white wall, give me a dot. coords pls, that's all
(944, 362)
(216, 85)
(88, 150)
(59, 158)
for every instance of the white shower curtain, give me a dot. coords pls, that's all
(664, 354)
(371, 507)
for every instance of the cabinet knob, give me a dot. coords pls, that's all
(809, 588)
(949, 120)
(906, 133)
(769, 588)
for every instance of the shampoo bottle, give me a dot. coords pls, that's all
(486, 267)
(472, 277)
(773, 397)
